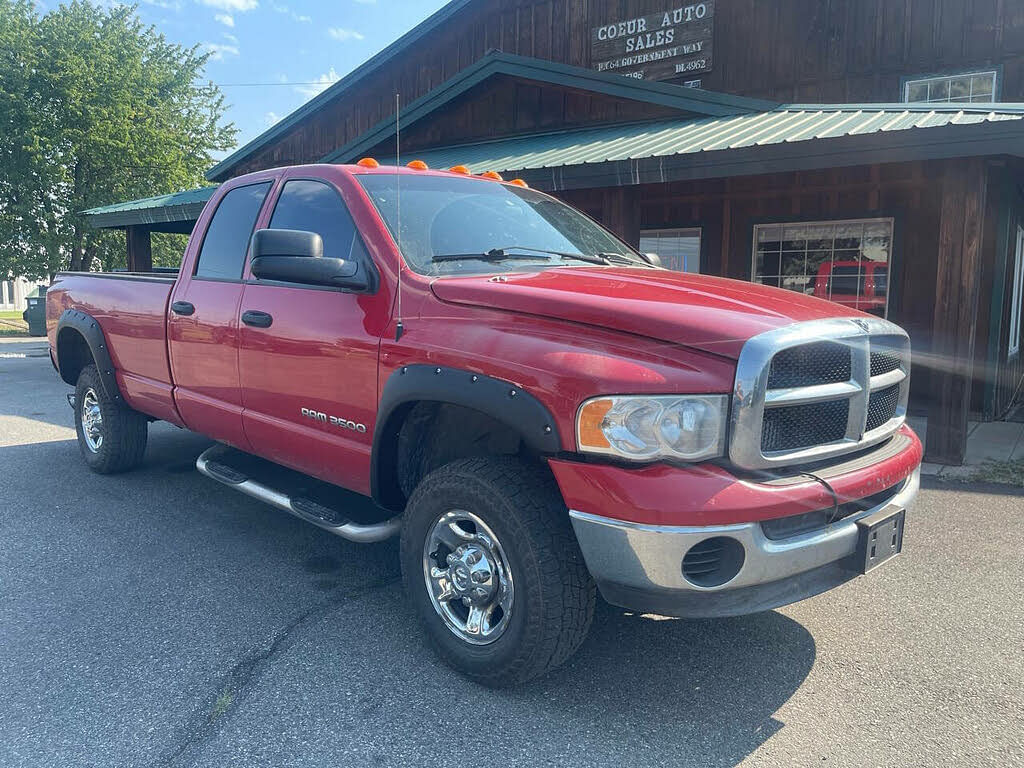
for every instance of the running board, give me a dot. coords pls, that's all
(211, 464)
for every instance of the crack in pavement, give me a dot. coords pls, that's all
(232, 687)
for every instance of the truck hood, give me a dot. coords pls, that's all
(712, 314)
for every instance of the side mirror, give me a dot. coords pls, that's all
(293, 256)
(652, 258)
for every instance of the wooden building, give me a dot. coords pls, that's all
(869, 151)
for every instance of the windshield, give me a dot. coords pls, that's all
(453, 225)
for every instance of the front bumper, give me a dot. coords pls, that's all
(635, 527)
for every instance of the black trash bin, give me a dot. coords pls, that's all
(35, 315)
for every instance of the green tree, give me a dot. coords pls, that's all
(95, 107)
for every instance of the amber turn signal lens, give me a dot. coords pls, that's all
(491, 175)
(417, 165)
(519, 183)
(591, 415)
(459, 169)
(368, 162)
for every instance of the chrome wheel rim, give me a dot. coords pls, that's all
(92, 420)
(467, 577)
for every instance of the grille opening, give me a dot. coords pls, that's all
(884, 362)
(822, 362)
(712, 562)
(803, 426)
(794, 525)
(882, 406)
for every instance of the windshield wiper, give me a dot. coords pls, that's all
(594, 259)
(621, 258)
(495, 254)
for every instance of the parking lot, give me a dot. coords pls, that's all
(158, 618)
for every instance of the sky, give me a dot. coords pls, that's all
(271, 56)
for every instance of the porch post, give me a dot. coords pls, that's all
(140, 251)
(957, 288)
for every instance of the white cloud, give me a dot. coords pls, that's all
(271, 118)
(231, 38)
(218, 51)
(299, 17)
(309, 90)
(340, 33)
(167, 5)
(302, 18)
(226, 19)
(239, 6)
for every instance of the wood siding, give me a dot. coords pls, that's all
(790, 50)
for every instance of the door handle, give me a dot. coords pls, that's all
(182, 308)
(257, 319)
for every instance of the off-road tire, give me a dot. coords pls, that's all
(124, 430)
(554, 593)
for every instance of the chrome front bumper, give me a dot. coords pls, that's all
(640, 566)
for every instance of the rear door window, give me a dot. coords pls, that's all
(227, 238)
(312, 206)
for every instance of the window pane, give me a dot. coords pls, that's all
(679, 249)
(959, 88)
(312, 206)
(830, 260)
(938, 90)
(983, 85)
(917, 91)
(227, 237)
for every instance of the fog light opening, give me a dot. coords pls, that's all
(712, 562)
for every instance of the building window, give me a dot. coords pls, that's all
(843, 261)
(1018, 289)
(679, 249)
(948, 89)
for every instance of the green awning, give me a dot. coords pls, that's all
(791, 137)
(178, 208)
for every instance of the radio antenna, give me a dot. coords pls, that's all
(398, 206)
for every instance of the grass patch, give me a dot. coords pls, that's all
(1005, 472)
(11, 324)
(222, 704)
(10, 314)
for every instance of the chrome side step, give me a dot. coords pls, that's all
(328, 518)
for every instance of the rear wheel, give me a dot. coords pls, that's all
(492, 566)
(111, 436)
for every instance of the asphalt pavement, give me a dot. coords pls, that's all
(157, 618)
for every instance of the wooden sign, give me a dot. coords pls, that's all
(672, 43)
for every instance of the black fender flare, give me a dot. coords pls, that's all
(501, 400)
(91, 331)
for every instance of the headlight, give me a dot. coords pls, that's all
(641, 428)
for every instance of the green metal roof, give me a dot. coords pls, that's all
(791, 137)
(162, 209)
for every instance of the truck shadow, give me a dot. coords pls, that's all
(699, 692)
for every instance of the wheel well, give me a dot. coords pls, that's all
(73, 354)
(425, 435)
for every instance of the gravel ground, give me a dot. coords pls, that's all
(157, 618)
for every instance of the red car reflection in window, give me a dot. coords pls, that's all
(861, 285)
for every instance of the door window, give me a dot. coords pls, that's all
(1018, 290)
(312, 206)
(832, 260)
(679, 249)
(227, 238)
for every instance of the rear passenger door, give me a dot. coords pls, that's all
(308, 367)
(202, 326)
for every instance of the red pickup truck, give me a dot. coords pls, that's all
(537, 409)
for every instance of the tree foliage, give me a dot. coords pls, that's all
(95, 107)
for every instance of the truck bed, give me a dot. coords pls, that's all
(131, 309)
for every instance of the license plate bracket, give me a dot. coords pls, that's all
(879, 538)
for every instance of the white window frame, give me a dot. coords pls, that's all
(667, 232)
(831, 222)
(911, 81)
(1018, 290)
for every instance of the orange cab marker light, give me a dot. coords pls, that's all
(491, 175)
(519, 183)
(417, 165)
(591, 415)
(459, 169)
(368, 162)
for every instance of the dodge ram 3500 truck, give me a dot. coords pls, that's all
(537, 409)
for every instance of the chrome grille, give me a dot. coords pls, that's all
(818, 389)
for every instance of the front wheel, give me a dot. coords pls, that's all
(111, 436)
(493, 569)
